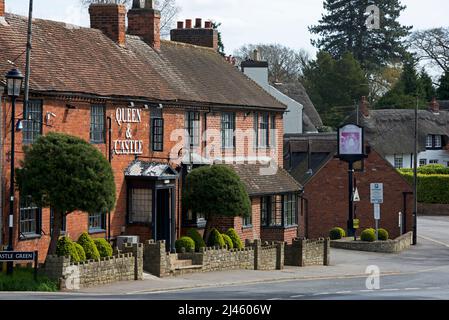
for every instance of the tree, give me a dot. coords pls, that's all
(334, 86)
(216, 191)
(443, 88)
(432, 45)
(67, 174)
(426, 84)
(343, 29)
(168, 8)
(284, 64)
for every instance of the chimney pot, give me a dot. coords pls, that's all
(2, 8)
(109, 18)
(199, 36)
(434, 106)
(198, 23)
(180, 24)
(188, 23)
(208, 24)
(364, 107)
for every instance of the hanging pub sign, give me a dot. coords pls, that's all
(128, 146)
(350, 142)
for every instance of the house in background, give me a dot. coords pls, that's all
(301, 116)
(311, 160)
(391, 133)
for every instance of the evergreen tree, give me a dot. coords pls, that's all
(334, 85)
(343, 29)
(427, 87)
(443, 89)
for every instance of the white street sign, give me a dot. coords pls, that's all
(377, 193)
(377, 211)
(356, 195)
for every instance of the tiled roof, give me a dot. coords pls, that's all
(262, 180)
(72, 59)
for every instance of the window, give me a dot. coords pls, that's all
(422, 162)
(63, 225)
(140, 206)
(30, 216)
(270, 211)
(158, 134)
(227, 130)
(32, 126)
(97, 129)
(264, 132)
(398, 161)
(289, 209)
(429, 141)
(434, 142)
(97, 222)
(437, 140)
(256, 130)
(193, 128)
(248, 221)
(433, 162)
(273, 131)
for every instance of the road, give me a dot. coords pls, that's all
(419, 273)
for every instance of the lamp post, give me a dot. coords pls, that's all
(14, 79)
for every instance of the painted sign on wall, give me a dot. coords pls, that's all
(128, 146)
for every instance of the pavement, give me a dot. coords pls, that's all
(420, 272)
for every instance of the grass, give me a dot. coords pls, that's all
(23, 280)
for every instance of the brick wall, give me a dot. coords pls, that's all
(327, 194)
(304, 253)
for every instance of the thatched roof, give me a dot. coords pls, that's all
(391, 131)
(296, 91)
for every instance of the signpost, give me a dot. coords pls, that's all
(11, 256)
(377, 198)
(351, 150)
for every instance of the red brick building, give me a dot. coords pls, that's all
(311, 160)
(145, 103)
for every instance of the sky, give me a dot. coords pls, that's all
(247, 21)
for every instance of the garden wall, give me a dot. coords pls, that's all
(390, 246)
(123, 266)
(308, 253)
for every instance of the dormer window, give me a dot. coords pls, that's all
(434, 142)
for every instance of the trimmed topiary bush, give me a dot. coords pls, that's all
(197, 238)
(236, 242)
(383, 234)
(368, 235)
(80, 250)
(185, 242)
(228, 241)
(215, 239)
(103, 247)
(67, 248)
(89, 247)
(337, 233)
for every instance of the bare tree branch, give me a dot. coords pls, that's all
(432, 45)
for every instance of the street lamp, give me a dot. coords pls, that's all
(14, 79)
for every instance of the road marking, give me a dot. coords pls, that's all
(343, 292)
(298, 296)
(367, 290)
(435, 241)
(412, 289)
(391, 290)
(322, 294)
(275, 299)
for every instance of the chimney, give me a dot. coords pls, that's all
(145, 21)
(434, 106)
(180, 24)
(364, 107)
(2, 8)
(109, 18)
(200, 36)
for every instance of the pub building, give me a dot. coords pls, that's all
(156, 109)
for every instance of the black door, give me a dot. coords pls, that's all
(163, 216)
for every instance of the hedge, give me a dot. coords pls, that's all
(368, 235)
(429, 169)
(197, 238)
(236, 241)
(89, 246)
(66, 248)
(80, 250)
(337, 233)
(103, 247)
(383, 234)
(215, 239)
(227, 241)
(186, 243)
(432, 188)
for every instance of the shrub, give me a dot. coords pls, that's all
(383, 234)
(429, 169)
(67, 248)
(215, 239)
(185, 242)
(228, 241)
(432, 188)
(103, 247)
(236, 242)
(89, 247)
(80, 251)
(337, 233)
(368, 235)
(197, 238)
